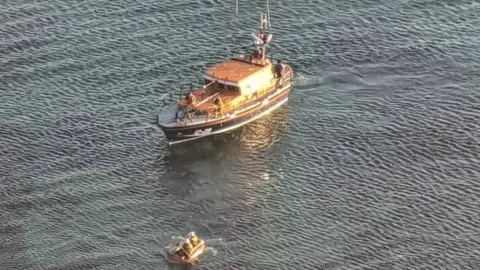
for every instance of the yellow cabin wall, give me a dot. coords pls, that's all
(260, 80)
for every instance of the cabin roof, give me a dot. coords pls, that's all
(232, 70)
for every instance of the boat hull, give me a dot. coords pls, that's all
(187, 133)
(174, 258)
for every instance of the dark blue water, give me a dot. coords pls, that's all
(374, 163)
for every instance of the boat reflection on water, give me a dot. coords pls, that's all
(265, 132)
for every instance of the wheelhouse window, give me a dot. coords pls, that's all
(232, 88)
(222, 87)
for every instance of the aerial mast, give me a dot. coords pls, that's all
(268, 15)
(264, 26)
(262, 38)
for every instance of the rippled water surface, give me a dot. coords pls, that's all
(374, 163)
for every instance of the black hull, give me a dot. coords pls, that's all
(187, 133)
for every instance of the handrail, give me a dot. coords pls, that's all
(207, 98)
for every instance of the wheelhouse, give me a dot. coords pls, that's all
(220, 86)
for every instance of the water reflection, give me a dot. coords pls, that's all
(265, 132)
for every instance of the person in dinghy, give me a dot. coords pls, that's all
(188, 250)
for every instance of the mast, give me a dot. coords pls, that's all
(268, 15)
(267, 37)
(262, 38)
(263, 27)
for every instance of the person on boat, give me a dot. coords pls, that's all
(188, 247)
(189, 109)
(261, 36)
(218, 106)
(191, 99)
(279, 69)
(193, 239)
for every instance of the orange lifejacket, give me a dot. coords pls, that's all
(194, 240)
(188, 248)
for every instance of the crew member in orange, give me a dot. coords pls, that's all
(190, 108)
(218, 106)
(191, 99)
(188, 247)
(193, 239)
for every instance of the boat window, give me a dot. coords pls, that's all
(232, 88)
(207, 81)
(220, 86)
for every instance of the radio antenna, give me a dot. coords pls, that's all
(268, 16)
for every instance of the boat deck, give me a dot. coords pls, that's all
(205, 100)
(227, 99)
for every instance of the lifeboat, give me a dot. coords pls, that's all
(234, 93)
(179, 255)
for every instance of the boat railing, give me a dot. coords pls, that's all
(203, 100)
(232, 109)
(172, 97)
